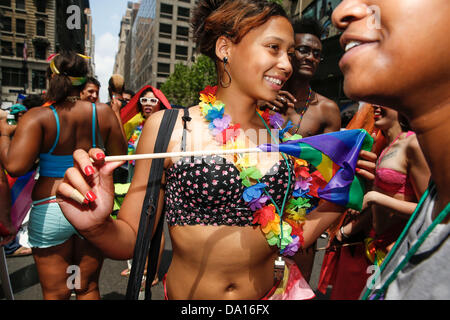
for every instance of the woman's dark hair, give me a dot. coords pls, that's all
(92, 80)
(404, 123)
(308, 25)
(33, 100)
(68, 64)
(139, 105)
(231, 18)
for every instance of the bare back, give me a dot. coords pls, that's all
(37, 133)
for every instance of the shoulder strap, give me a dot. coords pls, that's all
(58, 130)
(97, 140)
(94, 124)
(186, 119)
(144, 244)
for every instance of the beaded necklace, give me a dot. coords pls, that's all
(308, 101)
(283, 226)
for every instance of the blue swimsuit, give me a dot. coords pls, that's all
(48, 226)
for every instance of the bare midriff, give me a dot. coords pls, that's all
(219, 263)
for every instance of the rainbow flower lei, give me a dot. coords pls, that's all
(283, 229)
(132, 142)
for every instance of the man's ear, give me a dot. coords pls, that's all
(223, 47)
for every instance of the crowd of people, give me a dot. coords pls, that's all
(245, 226)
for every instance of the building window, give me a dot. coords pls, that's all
(5, 3)
(165, 30)
(163, 70)
(166, 11)
(39, 79)
(40, 28)
(41, 5)
(13, 77)
(20, 4)
(183, 14)
(182, 33)
(187, 1)
(20, 26)
(164, 50)
(19, 50)
(7, 26)
(181, 53)
(7, 49)
(40, 51)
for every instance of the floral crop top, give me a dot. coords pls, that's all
(207, 191)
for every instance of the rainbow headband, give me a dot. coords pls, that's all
(76, 81)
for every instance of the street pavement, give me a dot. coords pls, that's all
(25, 282)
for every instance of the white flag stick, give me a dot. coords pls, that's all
(179, 154)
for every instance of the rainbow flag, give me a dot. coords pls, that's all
(21, 189)
(334, 155)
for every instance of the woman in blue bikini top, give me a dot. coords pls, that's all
(51, 134)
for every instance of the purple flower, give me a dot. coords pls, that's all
(257, 204)
(292, 247)
(302, 183)
(276, 121)
(220, 124)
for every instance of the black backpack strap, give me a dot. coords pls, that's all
(186, 118)
(144, 244)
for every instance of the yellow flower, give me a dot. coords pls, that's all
(298, 215)
(273, 226)
(208, 98)
(246, 161)
(301, 163)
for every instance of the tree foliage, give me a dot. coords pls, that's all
(184, 84)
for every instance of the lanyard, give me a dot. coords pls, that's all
(413, 249)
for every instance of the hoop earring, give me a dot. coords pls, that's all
(222, 83)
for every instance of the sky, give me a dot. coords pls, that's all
(106, 17)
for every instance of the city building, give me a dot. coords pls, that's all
(158, 39)
(27, 38)
(31, 31)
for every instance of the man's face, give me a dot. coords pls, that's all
(90, 93)
(308, 51)
(126, 97)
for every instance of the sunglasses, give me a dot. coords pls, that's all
(150, 101)
(307, 50)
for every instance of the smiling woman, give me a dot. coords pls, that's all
(222, 249)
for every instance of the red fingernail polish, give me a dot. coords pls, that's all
(100, 156)
(357, 169)
(89, 170)
(85, 201)
(91, 196)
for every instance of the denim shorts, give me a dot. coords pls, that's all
(48, 227)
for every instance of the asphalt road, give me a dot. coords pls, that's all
(25, 282)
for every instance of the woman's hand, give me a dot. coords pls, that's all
(88, 190)
(6, 129)
(282, 102)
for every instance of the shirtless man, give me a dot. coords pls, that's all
(310, 112)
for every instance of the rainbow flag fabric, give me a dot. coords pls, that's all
(21, 189)
(334, 155)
